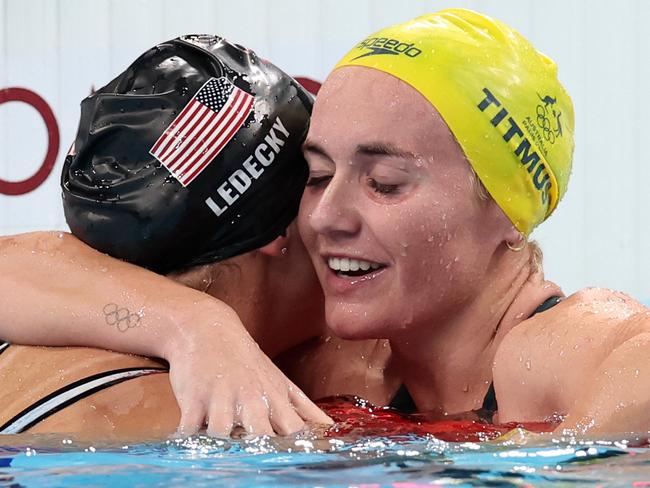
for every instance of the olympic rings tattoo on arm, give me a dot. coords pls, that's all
(122, 318)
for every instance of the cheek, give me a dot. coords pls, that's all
(436, 245)
(304, 228)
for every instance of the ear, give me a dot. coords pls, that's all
(505, 229)
(278, 246)
(515, 240)
(512, 235)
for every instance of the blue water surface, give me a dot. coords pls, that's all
(402, 462)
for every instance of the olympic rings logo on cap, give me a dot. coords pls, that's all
(548, 119)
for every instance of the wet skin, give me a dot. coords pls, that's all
(389, 185)
(450, 296)
(139, 408)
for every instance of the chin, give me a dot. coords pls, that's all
(354, 325)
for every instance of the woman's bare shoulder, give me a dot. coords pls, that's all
(588, 312)
(549, 355)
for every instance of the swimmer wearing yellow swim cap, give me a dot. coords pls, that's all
(499, 96)
(406, 250)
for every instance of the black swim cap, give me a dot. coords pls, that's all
(192, 155)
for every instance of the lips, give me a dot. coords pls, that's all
(352, 267)
(345, 275)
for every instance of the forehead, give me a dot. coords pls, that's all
(358, 105)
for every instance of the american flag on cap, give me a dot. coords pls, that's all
(202, 129)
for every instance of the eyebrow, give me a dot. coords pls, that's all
(384, 149)
(313, 147)
(371, 149)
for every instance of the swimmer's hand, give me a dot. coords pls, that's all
(222, 380)
(57, 291)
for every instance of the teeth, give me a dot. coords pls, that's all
(347, 264)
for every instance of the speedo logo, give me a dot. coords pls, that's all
(384, 45)
(521, 145)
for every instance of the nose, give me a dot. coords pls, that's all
(334, 213)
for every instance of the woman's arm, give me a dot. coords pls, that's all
(617, 396)
(587, 359)
(55, 290)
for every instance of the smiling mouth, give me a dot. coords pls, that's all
(352, 267)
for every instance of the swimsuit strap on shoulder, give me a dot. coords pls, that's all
(70, 394)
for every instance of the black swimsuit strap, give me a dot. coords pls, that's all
(403, 401)
(69, 394)
(490, 404)
(490, 400)
(546, 304)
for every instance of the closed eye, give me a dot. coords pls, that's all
(382, 188)
(318, 180)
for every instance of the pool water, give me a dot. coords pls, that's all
(356, 453)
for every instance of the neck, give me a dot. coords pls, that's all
(447, 367)
(276, 317)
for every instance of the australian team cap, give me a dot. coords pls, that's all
(500, 97)
(191, 155)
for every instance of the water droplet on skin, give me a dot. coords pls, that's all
(403, 249)
(465, 388)
(528, 365)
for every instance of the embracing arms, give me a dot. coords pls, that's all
(55, 290)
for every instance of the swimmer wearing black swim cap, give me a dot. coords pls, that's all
(191, 155)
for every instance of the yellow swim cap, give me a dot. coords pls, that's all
(499, 96)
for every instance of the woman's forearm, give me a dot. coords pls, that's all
(55, 290)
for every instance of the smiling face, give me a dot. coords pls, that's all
(390, 217)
